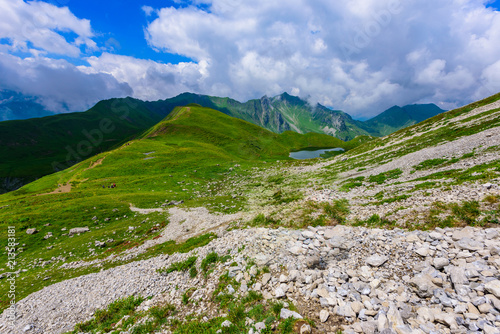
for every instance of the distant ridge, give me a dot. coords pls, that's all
(15, 106)
(33, 148)
(286, 112)
(397, 118)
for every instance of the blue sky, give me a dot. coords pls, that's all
(120, 26)
(361, 56)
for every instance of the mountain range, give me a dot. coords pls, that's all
(191, 204)
(36, 147)
(14, 105)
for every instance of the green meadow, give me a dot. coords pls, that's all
(195, 155)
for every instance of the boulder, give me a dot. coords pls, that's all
(493, 287)
(376, 260)
(323, 315)
(423, 285)
(78, 230)
(31, 231)
(286, 313)
(440, 262)
(463, 233)
(469, 244)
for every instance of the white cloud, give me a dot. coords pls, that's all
(151, 80)
(59, 85)
(360, 56)
(38, 25)
(148, 10)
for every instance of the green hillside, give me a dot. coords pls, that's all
(199, 157)
(35, 147)
(396, 118)
(32, 148)
(185, 157)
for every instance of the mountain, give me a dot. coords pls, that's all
(36, 147)
(14, 105)
(203, 214)
(285, 112)
(396, 118)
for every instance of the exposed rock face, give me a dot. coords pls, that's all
(405, 293)
(11, 183)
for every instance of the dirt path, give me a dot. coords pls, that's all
(95, 164)
(184, 224)
(62, 188)
(145, 211)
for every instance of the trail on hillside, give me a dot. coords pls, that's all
(183, 224)
(95, 164)
(61, 188)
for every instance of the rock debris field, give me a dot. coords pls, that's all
(354, 279)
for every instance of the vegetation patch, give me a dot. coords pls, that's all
(375, 221)
(431, 163)
(392, 199)
(382, 177)
(179, 266)
(468, 212)
(351, 183)
(337, 210)
(104, 320)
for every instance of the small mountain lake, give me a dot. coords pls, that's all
(313, 153)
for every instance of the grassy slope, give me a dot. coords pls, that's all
(36, 147)
(397, 118)
(430, 132)
(194, 150)
(53, 143)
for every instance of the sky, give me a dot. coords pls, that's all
(360, 56)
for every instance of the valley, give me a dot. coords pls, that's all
(203, 223)
(51, 144)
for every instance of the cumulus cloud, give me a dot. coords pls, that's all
(360, 56)
(151, 80)
(148, 10)
(59, 85)
(41, 29)
(36, 26)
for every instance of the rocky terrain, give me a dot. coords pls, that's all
(355, 279)
(399, 235)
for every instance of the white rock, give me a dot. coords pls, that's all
(286, 313)
(308, 234)
(382, 322)
(279, 293)
(77, 230)
(376, 260)
(470, 244)
(375, 283)
(323, 315)
(226, 323)
(463, 233)
(440, 262)
(260, 326)
(493, 287)
(447, 319)
(265, 278)
(305, 329)
(422, 251)
(436, 235)
(297, 250)
(490, 329)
